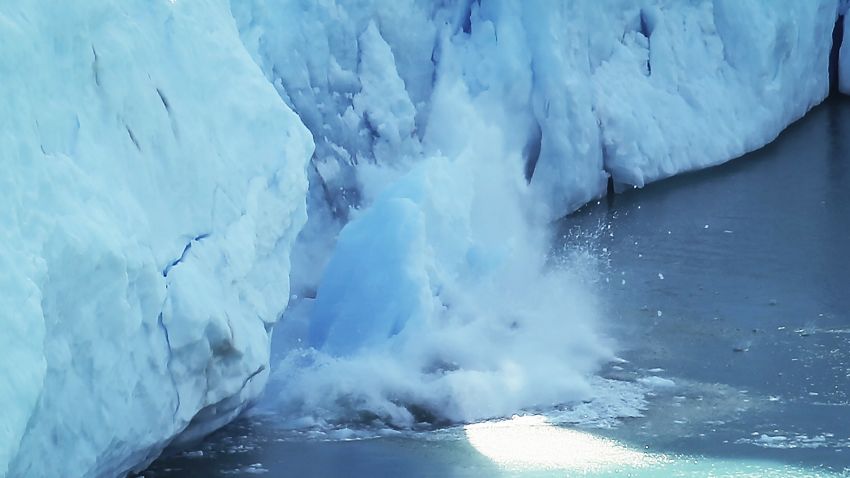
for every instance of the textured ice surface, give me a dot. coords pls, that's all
(152, 183)
(638, 90)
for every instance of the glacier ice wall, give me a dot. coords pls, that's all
(152, 184)
(449, 133)
(638, 90)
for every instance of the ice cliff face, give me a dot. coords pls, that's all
(638, 90)
(152, 183)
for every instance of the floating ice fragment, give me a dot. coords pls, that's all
(656, 382)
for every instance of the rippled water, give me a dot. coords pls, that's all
(734, 282)
(729, 297)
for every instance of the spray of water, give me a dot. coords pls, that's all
(440, 302)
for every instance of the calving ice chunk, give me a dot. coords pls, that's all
(438, 285)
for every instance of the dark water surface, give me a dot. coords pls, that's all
(730, 284)
(738, 276)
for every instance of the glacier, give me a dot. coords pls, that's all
(157, 158)
(153, 182)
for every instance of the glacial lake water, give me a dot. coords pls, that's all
(730, 285)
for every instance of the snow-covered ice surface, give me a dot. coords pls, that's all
(152, 184)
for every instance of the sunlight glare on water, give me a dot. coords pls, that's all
(525, 445)
(532, 442)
